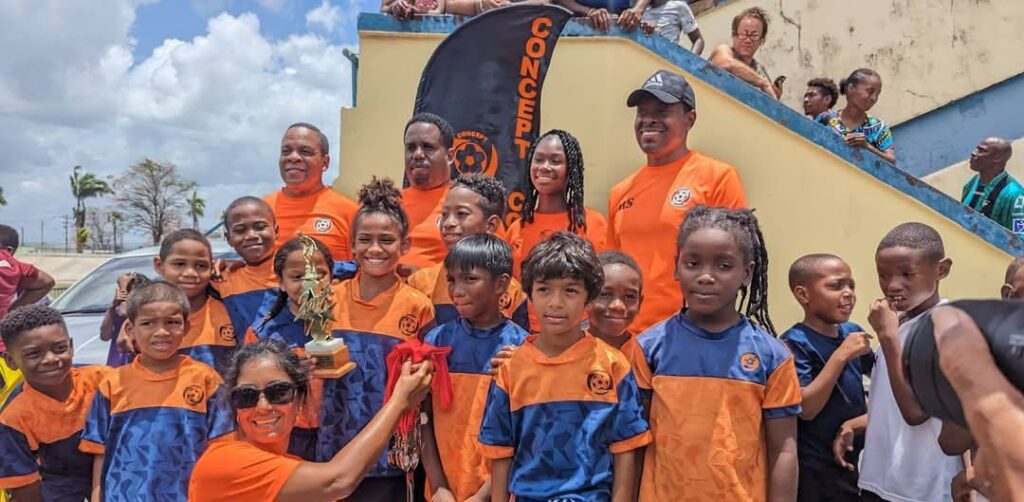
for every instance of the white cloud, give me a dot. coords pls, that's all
(326, 16)
(215, 106)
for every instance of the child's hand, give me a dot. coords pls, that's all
(856, 140)
(120, 295)
(222, 267)
(442, 495)
(960, 489)
(414, 383)
(125, 343)
(504, 354)
(854, 346)
(842, 444)
(307, 363)
(883, 319)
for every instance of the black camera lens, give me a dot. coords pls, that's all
(1002, 324)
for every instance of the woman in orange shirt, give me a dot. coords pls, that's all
(554, 197)
(267, 384)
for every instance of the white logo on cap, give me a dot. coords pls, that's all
(655, 80)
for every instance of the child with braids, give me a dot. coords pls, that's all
(280, 323)
(722, 392)
(374, 311)
(554, 197)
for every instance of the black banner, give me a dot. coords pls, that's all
(485, 79)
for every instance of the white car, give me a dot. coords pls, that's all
(85, 303)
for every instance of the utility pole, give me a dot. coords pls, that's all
(65, 234)
(354, 59)
(41, 234)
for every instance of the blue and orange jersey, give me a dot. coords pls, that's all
(152, 427)
(326, 215)
(433, 282)
(710, 394)
(248, 293)
(423, 207)
(561, 419)
(211, 336)
(456, 427)
(285, 328)
(370, 328)
(523, 237)
(39, 438)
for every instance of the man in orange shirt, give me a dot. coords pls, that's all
(305, 204)
(646, 209)
(428, 158)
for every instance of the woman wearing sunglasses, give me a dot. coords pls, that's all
(266, 384)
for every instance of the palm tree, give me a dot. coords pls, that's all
(196, 208)
(3, 200)
(83, 186)
(115, 218)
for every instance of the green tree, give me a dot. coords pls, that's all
(83, 186)
(196, 208)
(151, 197)
(3, 200)
(115, 218)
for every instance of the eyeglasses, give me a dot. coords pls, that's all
(248, 396)
(753, 37)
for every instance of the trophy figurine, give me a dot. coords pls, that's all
(316, 308)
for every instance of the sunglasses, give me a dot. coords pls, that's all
(248, 396)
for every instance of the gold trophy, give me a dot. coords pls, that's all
(316, 308)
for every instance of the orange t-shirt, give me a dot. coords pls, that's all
(326, 215)
(645, 211)
(524, 238)
(423, 207)
(238, 470)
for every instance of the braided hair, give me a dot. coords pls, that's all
(573, 184)
(381, 196)
(743, 226)
(294, 245)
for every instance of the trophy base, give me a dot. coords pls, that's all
(331, 357)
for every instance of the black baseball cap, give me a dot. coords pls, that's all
(668, 87)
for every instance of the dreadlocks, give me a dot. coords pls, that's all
(743, 226)
(573, 184)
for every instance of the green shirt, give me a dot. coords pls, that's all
(1007, 206)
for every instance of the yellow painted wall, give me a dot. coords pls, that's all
(951, 179)
(929, 52)
(808, 200)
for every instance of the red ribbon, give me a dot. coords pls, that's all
(441, 387)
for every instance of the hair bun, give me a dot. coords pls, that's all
(380, 193)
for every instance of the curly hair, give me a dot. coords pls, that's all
(564, 255)
(743, 226)
(573, 184)
(447, 133)
(380, 196)
(28, 318)
(490, 189)
(275, 350)
(828, 87)
(917, 236)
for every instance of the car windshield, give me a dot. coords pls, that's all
(95, 291)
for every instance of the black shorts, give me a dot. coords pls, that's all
(832, 484)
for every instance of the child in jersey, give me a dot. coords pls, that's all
(113, 321)
(903, 458)
(248, 291)
(563, 418)
(186, 261)
(478, 270)
(831, 356)
(279, 323)
(554, 197)
(716, 382)
(619, 301)
(474, 205)
(151, 420)
(374, 311)
(40, 427)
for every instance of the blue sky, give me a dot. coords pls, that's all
(208, 85)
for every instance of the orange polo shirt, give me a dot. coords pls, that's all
(326, 215)
(645, 211)
(423, 207)
(524, 238)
